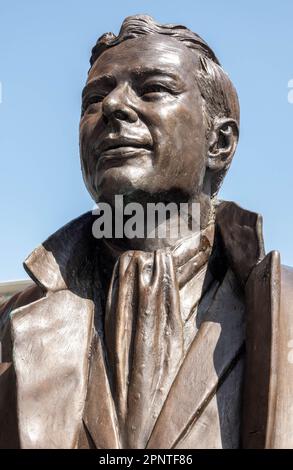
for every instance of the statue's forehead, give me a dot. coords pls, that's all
(149, 51)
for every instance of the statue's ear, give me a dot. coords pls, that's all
(222, 143)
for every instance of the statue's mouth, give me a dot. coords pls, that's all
(117, 151)
(117, 156)
(122, 146)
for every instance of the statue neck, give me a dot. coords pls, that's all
(186, 220)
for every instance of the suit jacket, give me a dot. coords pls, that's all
(54, 389)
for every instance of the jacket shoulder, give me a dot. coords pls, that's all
(8, 410)
(20, 299)
(282, 436)
(25, 297)
(287, 291)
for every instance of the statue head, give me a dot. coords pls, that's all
(159, 117)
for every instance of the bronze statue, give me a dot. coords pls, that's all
(152, 342)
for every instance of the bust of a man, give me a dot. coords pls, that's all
(152, 340)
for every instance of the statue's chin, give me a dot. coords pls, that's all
(123, 181)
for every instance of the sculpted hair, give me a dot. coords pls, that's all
(218, 93)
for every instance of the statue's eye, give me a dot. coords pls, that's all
(154, 88)
(91, 100)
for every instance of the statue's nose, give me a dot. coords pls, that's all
(116, 105)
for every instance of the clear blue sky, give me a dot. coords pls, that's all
(44, 52)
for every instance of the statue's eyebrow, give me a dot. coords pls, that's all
(145, 72)
(104, 81)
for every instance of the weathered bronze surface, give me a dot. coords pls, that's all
(152, 342)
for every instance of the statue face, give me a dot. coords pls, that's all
(143, 131)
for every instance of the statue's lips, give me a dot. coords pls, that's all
(123, 150)
(116, 145)
(116, 152)
(119, 155)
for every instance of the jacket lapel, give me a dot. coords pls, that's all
(216, 347)
(51, 340)
(263, 316)
(51, 349)
(267, 385)
(100, 415)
